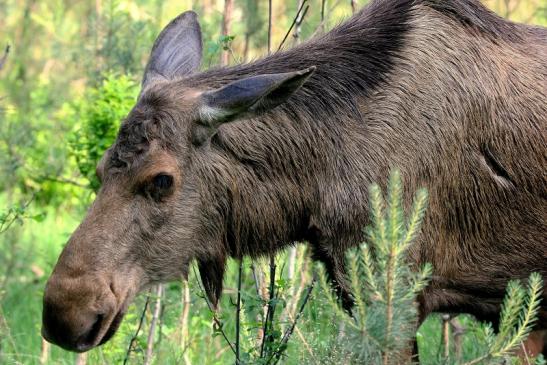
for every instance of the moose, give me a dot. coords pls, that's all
(249, 159)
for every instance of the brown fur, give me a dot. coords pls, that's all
(446, 91)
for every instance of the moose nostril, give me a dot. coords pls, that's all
(87, 340)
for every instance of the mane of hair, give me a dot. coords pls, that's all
(472, 13)
(356, 56)
(352, 60)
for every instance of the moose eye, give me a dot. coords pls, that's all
(163, 181)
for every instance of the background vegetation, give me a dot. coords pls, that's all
(70, 76)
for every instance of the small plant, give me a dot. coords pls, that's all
(17, 213)
(518, 315)
(384, 285)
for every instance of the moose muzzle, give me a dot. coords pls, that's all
(80, 312)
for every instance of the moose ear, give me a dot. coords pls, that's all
(249, 96)
(177, 50)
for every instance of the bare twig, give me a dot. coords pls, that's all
(44, 354)
(457, 333)
(290, 330)
(296, 21)
(255, 277)
(269, 26)
(524, 351)
(321, 25)
(184, 320)
(81, 359)
(307, 346)
(152, 329)
(446, 335)
(296, 290)
(226, 29)
(271, 307)
(353, 6)
(134, 338)
(323, 3)
(61, 180)
(298, 27)
(238, 310)
(216, 321)
(292, 263)
(4, 57)
(260, 292)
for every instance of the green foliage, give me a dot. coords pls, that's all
(97, 119)
(15, 214)
(518, 315)
(121, 40)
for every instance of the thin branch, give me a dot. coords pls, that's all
(152, 329)
(184, 334)
(290, 330)
(44, 354)
(259, 286)
(81, 359)
(292, 305)
(238, 311)
(271, 307)
(215, 318)
(446, 335)
(269, 26)
(321, 25)
(134, 338)
(4, 57)
(296, 21)
(457, 332)
(226, 29)
(323, 3)
(61, 180)
(255, 277)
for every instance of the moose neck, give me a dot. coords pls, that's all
(281, 159)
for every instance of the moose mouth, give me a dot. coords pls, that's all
(90, 339)
(114, 325)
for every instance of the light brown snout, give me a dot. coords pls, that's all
(81, 312)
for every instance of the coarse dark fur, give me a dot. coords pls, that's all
(446, 91)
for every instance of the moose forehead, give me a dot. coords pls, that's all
(149, 138)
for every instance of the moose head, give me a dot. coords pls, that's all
(156, 211)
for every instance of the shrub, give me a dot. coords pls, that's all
(98, 115)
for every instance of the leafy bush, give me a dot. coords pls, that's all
(98, 115)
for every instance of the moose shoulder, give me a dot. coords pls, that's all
(246, 160)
